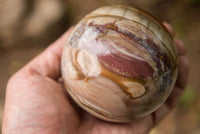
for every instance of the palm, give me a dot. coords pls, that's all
(50, 111)
(36, 102)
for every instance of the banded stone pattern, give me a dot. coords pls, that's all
(119, 63)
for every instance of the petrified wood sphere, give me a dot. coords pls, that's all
(119, 63)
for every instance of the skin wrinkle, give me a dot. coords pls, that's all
(49, 55)
(27, 107)
(28, 126)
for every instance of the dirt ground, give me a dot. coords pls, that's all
(27, 28)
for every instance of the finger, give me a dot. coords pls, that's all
(48, 62)
(179, 43)
(183, 68)
(144, 125)
(174, 97)
(167, 107)
(159, 114)
(169, 28)
(180, 46)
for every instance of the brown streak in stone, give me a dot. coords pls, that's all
(118, 79)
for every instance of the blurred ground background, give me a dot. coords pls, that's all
(28, 26)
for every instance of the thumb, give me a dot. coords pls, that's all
(48, 62)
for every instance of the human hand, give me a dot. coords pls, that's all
(37, 102)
